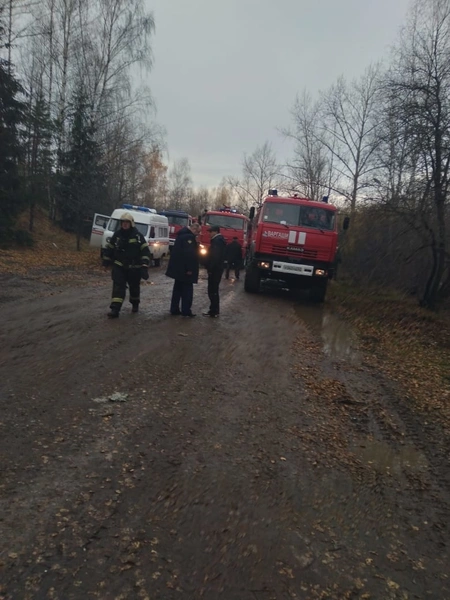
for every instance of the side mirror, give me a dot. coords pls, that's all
(199, 219)
(346, 223)
(252, 213)
(152, 232)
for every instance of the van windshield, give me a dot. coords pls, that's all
(114, 225)
(293, 214)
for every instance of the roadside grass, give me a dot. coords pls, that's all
(408, 343)
(52, 249)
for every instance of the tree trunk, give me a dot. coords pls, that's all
(79, 231)
(32, 213)
(431, 295)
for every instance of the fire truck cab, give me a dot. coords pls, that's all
(293, 240)
(232, 224)
(177, 220)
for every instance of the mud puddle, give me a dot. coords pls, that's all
(386, 459)
(339, 340)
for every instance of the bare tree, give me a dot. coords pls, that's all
(154, 181)
(260, 172)
(349, 132)
(420, 88)
(310, 172)
(15, 16)
(199, 200)
(114, 35)
(179, 184)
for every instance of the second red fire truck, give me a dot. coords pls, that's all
(232, 224)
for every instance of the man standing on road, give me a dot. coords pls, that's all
(233, 257)
(129, 255)
(215, 265)
(183, 268)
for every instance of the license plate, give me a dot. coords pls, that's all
(282, 267)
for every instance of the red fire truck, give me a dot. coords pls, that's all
(177, 220)
(293, 240)
(232, 224)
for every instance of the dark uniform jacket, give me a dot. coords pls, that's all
(127, 248)
(184, 257)
(216, 256)
(234, 253)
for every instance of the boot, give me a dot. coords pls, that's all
(113, 313)
(135, 308)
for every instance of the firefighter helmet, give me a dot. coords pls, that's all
(127, 217)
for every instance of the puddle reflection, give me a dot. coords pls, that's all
(339, 341)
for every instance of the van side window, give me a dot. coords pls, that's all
(101, 221)
(152, 231)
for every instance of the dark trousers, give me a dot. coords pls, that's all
(233, 265)
(121, 277)
(213, 291)
(183, 292)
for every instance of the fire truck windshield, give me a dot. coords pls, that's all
(225, 221)
(293, 214)
(177, 220)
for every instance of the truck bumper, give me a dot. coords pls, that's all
(301, 273)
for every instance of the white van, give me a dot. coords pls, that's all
(154, 227)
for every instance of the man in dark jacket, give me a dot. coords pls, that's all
(129, 255)
(233, 258)
(215, 265)
(183, 268)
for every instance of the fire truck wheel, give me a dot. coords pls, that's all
(252, 280)
(157, 262)
(318, 291)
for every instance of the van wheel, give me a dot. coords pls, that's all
(252, 280)
(157, 262)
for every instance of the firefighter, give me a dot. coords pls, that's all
(129, 255)
(233, 258)
(183, 268)
(311, 218)
(215, 265)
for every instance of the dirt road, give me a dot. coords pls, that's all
(257, 456)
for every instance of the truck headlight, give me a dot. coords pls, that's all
(203, 250)
(320, 272)
(108, 239)
(264, 265)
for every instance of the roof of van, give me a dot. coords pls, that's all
(139, 216)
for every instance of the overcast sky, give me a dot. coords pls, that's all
(226, 72)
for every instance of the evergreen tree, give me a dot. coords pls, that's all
(39, 152)
(81, 178)
(12, 117)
